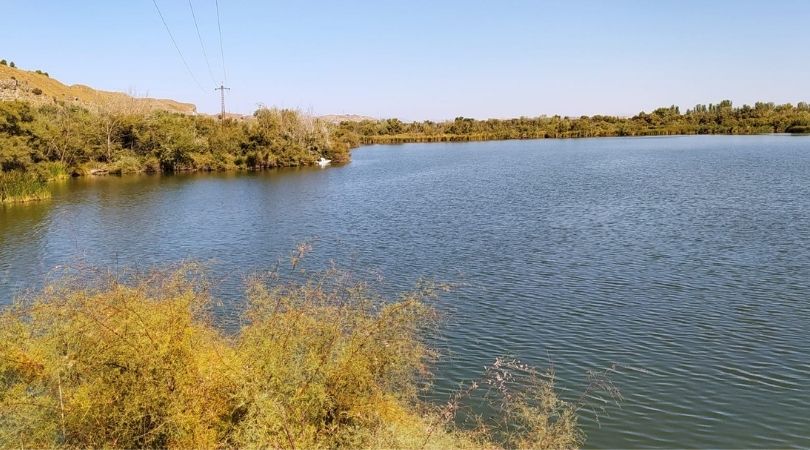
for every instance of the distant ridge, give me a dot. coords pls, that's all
(338, 118)
(39, 88)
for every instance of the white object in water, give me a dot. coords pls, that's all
(323, 162)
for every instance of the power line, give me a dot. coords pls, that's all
(221, 51)
(199, 37)
(177, 47)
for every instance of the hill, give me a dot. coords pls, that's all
(39, 88)
(338, 118)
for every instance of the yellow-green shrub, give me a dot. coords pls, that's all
(126, 164)
(323, 363)
(122, 366)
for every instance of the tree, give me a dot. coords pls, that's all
(62, 131)
(3, 62)
(111, 112)
(12, 65)
(170, 138)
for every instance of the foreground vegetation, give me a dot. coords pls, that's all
(122, 139)
(136, 362)
(722, 118)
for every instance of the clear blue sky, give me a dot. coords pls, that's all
(420, 59)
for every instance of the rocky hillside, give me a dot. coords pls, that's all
(39, 88)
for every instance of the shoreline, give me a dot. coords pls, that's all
(85, 172)
(461, 138)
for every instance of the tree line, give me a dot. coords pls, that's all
(722, 118)
(122, 139)
(39, 143)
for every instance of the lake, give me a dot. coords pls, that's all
(684, 260)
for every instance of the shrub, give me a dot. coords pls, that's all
(798, 129)
(151, 165)
(36, 91)
(136, 362)
(3, 62)
(53, 170)
(126, 164)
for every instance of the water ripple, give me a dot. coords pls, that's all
(684, 260)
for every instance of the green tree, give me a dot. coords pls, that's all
(62, 132)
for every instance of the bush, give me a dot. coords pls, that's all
(36, 91)
(53, 170)
(322, 363)
(126, 164)
(151, 165)
(798, 129)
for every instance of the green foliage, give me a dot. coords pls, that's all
(3, 62)
(319, 363)
(17, 186)
(123, 141)
(126, 164)
(12, 65)
(722, 118)
(53, 170)
(799, 129)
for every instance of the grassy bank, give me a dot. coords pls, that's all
(18, 187)
(324, 363)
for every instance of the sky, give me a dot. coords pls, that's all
(423, 60)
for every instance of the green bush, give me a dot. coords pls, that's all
(798, 129)
(126, 164)
(53, 170)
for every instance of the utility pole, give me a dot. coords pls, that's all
(221, 90)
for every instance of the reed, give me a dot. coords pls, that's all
(17, 186)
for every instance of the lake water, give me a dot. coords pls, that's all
(686, 260)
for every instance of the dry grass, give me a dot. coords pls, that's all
(18, 84)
